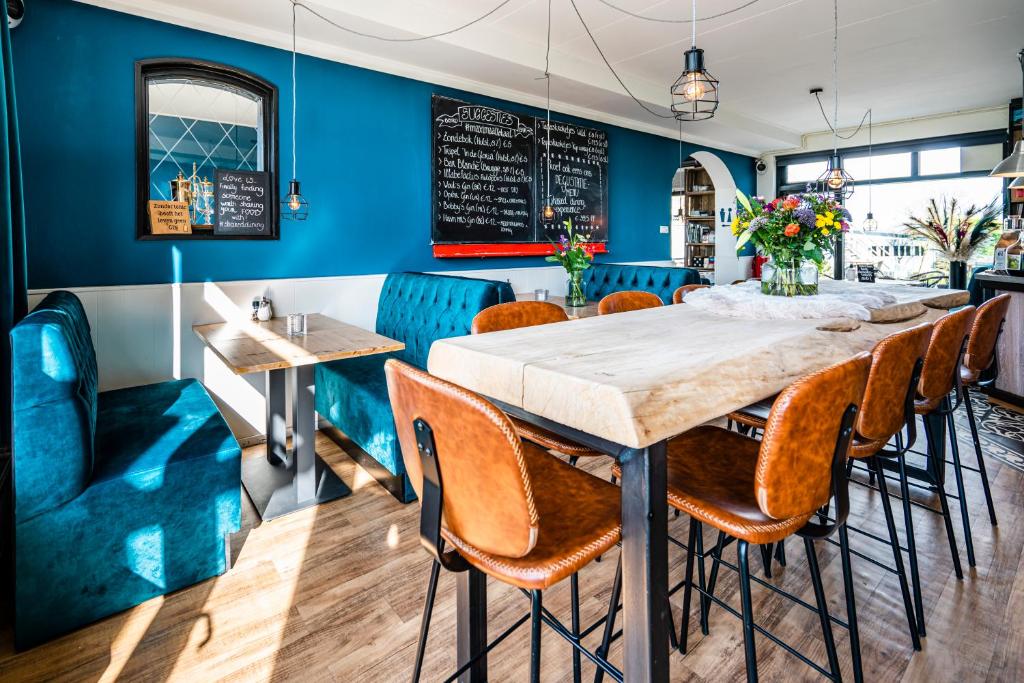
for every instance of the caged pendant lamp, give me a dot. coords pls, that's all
(1013, 165)
(835, 180)
(294, 206)
(695, 92)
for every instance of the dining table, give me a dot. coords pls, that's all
(625, 384)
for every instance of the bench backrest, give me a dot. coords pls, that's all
(54, 391)
(418, 309)
(602, 279)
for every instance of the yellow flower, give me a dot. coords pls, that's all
(735, 225)
(824, 231)
(829, 215)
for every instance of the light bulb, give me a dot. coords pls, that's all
(693, 89)
(835, 179)
(548, 213)
(294, 202)
(870, 224)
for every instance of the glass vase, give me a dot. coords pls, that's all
(574, 295)
(795, 278)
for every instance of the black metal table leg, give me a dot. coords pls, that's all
(279, 484)
(471, 623)
(645, 563)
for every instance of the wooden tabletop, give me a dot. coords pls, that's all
(258, 346)
(589, 310)
(639, 377)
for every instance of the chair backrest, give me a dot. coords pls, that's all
(621, 302)
(942, 361)
(418, 309)
(981, 344)
(487, 492)
(517, 314)
(794, 465)
(54, 404)
(680, 294)
(602, 279)
(883, 410)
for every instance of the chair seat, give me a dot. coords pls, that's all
(861, 447)
(711, 478)
(968, 376)
(923, 406)
(755, 415)
(549, 440)
(579, 519)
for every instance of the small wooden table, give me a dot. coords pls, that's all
(289, 481)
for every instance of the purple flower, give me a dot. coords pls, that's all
(805, 214)
(757, 224)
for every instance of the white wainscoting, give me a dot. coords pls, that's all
(143, 333)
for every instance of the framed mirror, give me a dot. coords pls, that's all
(206, 152)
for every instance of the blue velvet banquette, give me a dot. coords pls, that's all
(602, 279)
(352, 394)
(119, 496)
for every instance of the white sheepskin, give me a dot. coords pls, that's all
(834, 300)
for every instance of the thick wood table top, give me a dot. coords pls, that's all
(639, 377)
(574, 312)
(258, 346)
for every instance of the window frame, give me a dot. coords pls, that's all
(176, 67)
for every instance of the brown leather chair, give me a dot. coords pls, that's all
(980, 368)
(492, 503)
(513, 315)
(680, 294)
(621, 302)
(765, 491)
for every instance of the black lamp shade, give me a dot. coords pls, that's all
(835, 180)
(294, 206)
(695, 92)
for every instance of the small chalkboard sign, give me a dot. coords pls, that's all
(243, 203)
(865, 273)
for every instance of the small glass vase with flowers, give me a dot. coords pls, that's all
(573, 253)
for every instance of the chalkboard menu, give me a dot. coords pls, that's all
(491, 175)
(243, 203)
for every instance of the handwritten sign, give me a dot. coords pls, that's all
(575, 171)
(865, 273)
(169, 218)
(243, 202)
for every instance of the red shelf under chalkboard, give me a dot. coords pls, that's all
(483, 250)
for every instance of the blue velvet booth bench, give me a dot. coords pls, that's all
(119, 496)
(416, 309)
(602, 279)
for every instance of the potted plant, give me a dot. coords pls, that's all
(572, 252)
(955, 233)
(795, 232)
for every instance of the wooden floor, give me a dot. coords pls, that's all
(335, 593)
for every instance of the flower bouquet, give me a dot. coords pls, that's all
(572, 253)
(796, 231)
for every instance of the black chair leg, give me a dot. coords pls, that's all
(981, 461)
(609, 624)
(897, 554)
(908, 523)
(822, 603)
(428, 609)
(535, 630)
(766, 559)
(935, 453)
(851, 604)
(574, 587)
(958, 475)
(712, 579)
(573, 459)
(749, 649)
(691, 549)
(780, 553)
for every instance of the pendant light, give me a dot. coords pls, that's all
(870, 224)
(548, 213)
(835, 180)
(695, 92)
(294, 206)
(1013, 165)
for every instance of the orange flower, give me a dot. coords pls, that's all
(790, 203)
(792, 229)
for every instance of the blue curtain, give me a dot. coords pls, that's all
(13, 277)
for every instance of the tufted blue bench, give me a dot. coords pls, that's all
(352, 394)
(120, 496)
(602, 279)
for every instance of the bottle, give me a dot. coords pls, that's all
(1001, 252)
(1013, 255)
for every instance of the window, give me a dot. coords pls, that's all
(878, 166)
(805, 173)
(194, 119)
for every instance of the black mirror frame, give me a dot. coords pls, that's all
(172, 67)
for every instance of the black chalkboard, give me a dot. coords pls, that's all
(577, 178)
(483, 164)
(865, 273)
(243, 203)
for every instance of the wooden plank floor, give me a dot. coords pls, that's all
(335, 593)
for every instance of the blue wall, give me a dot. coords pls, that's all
(364, 159)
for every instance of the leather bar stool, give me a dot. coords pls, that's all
(514, 315)
(621, 302)
(680, 294)
(492, 503)
(763, 492)
(980, 369)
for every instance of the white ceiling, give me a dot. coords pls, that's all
(904, 58)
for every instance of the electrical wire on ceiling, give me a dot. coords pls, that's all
(662, 20)
(361, 34)
(833, 130)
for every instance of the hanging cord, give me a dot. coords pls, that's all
(612, 69)
(294, 96)
(835, 77)
(361, 34)
(831, 128)
(693, 23)
(871, 175)
(547, 79)
(661, 20)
